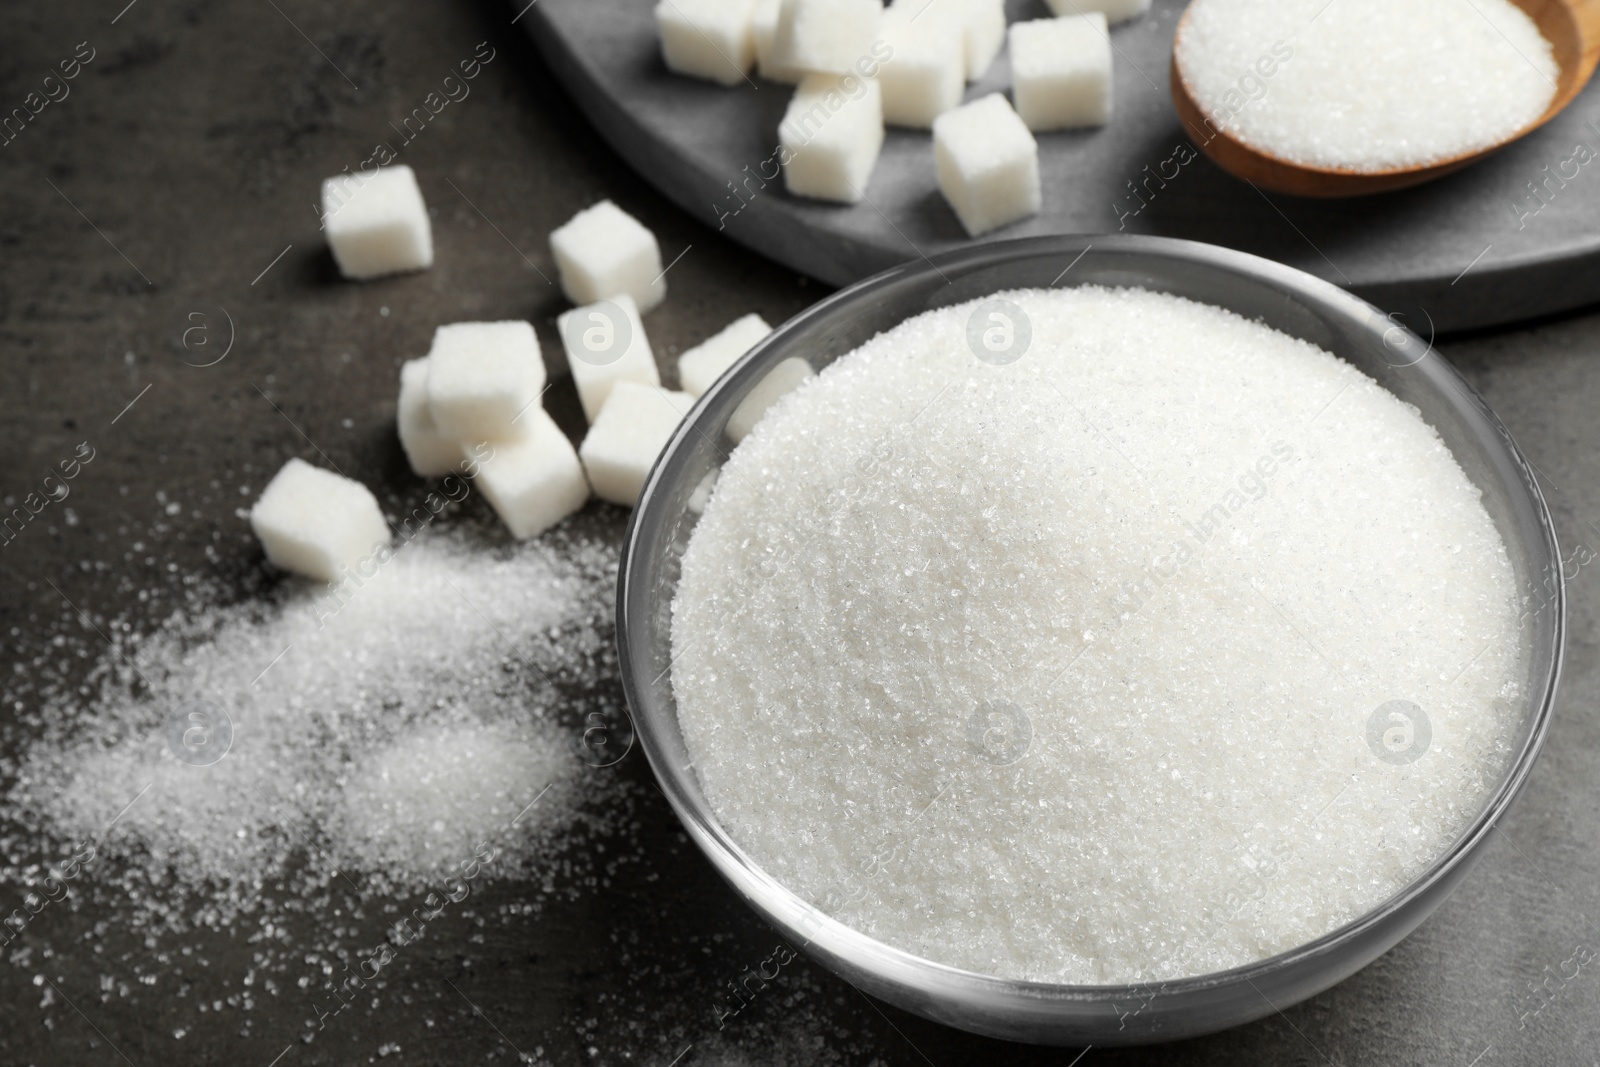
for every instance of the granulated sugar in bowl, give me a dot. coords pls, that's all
(1168, 633)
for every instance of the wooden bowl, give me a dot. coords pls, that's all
(1571, 26)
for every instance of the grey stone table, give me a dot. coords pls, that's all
(177, 178)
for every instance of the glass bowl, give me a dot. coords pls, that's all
(1286, 299)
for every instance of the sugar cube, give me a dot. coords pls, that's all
(376, 223)
(315, 522)
(622, 445)
(764, 28)
(982, 24)
(831, 135)
(784, 378)
(703, 364)
(481, 377)
(826, 36)
(532, 483)
(987, 163)
(710, 39)
(606, 344)
(926, 69)
(604, 252)
(1061, 72)
(430, 452)
(1113, 10)
(701, 496)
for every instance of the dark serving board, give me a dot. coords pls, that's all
(1466, 251)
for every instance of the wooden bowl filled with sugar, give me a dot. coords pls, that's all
(1335, 98)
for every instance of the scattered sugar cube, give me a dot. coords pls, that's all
(481, 377)
(603, 252)
(1113, 10)
(701, 496)
(710, 39)
(785, 377)
(926, 70)
(988, 164)
(982, 24)
(826, 36)
(831, 135)
(764, 28)
(622, 445)
(430, 452)
(606, 344)
(703, 364)
(376, 223)
(1061, 72)
(533, 483)
(315, 522)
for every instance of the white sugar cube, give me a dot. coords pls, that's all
(481, 377)
(764, 28)
(982, 24)
(831, 135)
(988, 164)
(701, 496)
(1113, 10)
(606, 344)
(622, 445)
(376, 223)
(826, 36)
(710, 39)
(315, 522)
(784, 378)
(430, 452)
(604, 252)
(1061, 72)
(703, 364)
(532, 483)
(926, 70)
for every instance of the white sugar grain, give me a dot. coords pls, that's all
(1366, 85)
(1064, 669)
(427, 800)
(380, 732)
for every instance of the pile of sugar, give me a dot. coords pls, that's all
(1369, 84)
(379, 734)
(1064, 669)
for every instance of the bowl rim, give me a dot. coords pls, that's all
(893, 966)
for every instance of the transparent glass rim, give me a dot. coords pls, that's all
(1020, 1009)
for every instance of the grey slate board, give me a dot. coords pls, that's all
(1404, 251)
